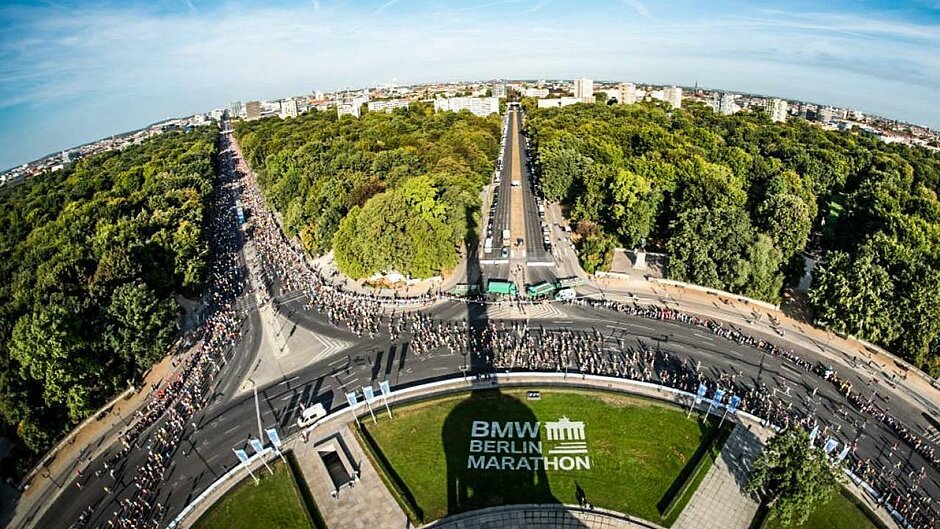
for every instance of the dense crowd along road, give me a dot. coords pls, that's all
(119, 494)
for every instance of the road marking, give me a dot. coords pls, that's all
(232, 429)
(288, 397)
(288, 381)
(704, 337)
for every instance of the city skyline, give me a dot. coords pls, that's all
(74, 72)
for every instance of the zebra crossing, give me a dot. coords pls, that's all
(932, 435)
(536, 311)
(330, 346)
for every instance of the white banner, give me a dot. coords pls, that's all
(384, 388)
(351, 398)
(256, 445)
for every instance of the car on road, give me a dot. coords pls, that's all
(505, 252)
(310, 415)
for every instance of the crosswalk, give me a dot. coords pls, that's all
(933, 435)
(536, 311)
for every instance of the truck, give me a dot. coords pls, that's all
(540, 289)
(506, 234)
(565, 294)
(488, 245)
(501, 287)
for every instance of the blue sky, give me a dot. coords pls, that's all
(75, 71)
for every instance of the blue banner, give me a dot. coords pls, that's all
(368, 393)
(719, 394)
(274, 437)
(384, 388)
(242, 456)
(351, 399)
(733, 405)
(256, 445)
(702, 388)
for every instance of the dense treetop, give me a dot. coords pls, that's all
(734, 199)
(386, 192)
(90, 260)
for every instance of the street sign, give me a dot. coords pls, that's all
(533, 395)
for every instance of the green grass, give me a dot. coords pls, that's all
(840, 512)
(642, 453)
(275, 502)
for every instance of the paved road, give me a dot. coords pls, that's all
(230, 419)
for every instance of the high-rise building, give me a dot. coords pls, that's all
(584, 89)
(673, 96)
(498, 90)
(236, 109)
(481, 106)
(288, 109)
(726, 104)
(627, 93)
(777, 108)
(66, 157)
(253, 110)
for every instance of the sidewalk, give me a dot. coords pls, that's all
(719, 502)
(366, 504)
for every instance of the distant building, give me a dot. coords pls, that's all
(826, 114)
(236, 109)
(288, 109)
(777, 108)
(253, 110)
(348, 109)
(536, 92)
(627, 93)
(726, 104)
(387, 105)
(673, 96)
(498, 90)
(584, 89)
(559, 102)
(66, 157)
(481, 106)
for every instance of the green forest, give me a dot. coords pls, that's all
(385, 192)
(91, 259)
(734, 201)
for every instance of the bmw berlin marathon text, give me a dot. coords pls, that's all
(517, 446)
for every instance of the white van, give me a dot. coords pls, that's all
(311, 415)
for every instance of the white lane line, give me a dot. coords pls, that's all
(288, 397)
(288, 381)
(232, 429)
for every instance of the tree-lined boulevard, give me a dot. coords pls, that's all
(406, 347)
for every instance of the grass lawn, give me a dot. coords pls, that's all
(840, 512)
(275, 502)
(641, 452)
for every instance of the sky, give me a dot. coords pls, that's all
(76, 71)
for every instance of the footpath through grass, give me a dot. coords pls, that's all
(641, 453)
(274, 503)
(840, 512)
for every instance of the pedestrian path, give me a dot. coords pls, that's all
(363, 504)
(720, 502)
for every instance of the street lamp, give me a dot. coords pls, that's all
(254, 389)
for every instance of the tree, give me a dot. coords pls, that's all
(788, 220)
(855, 295)
(711, 247)
(792, 477)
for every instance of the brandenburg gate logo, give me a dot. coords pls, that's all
(569, 436)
